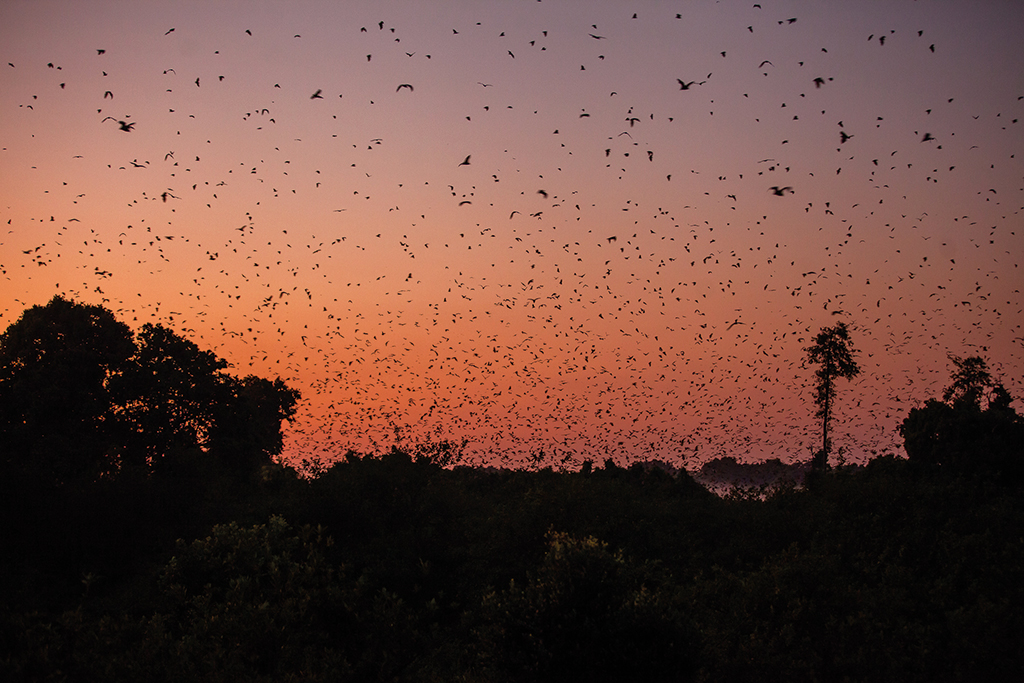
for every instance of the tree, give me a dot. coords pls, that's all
(971, 383)
(260, 602)
(57, 413)
(246, 429)
(587, 613)
(180, 400)
(831, 351)
(168, 397)
(973, 427)
(81, 397)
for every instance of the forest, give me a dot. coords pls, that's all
(150, 532)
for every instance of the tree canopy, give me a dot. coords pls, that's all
(57, 406)
(972, 428)
(832, 352)
(82, 398)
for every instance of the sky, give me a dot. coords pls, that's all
(558, 231)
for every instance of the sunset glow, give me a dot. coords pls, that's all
(588, 229)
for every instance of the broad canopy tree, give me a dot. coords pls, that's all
(57, 409)
(974, 427)
(81, 397)
(167, 397)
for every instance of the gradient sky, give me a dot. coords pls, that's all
(611, 274)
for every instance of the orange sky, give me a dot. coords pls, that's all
(610, 276)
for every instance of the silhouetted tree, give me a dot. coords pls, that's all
(82, 398)
(831, 351)
(974, 426)
(246, 429)
(971, 383)
(57, 413)
(168, 397)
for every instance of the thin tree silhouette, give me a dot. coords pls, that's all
(832, 352)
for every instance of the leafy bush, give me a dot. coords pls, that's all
(587, 614)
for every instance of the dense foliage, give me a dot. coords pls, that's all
(409, 567)
(393, 568)
(83, 398)
(973, 428)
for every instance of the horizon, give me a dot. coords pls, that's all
(578, 232)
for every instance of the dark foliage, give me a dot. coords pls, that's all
(973, 429)
(587, 613)
(58, 420)
(398, 569)
(407, 567)
(833, 354)
(82, 399)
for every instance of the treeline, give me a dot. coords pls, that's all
(394, 568)
(408, 567)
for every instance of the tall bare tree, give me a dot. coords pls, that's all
(832, 352)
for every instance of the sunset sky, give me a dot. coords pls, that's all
(545, 243)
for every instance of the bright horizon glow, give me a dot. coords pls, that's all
(610, 276)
